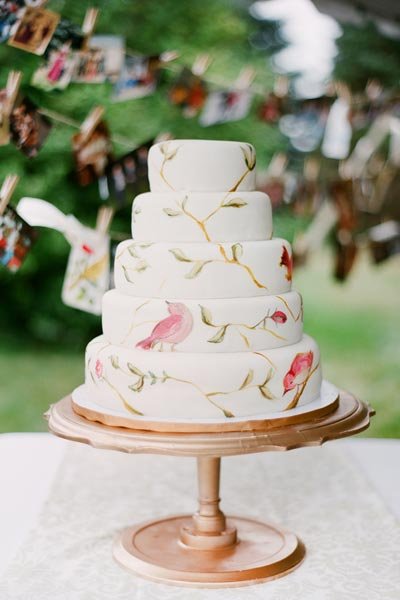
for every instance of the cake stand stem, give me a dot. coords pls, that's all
(208, 529)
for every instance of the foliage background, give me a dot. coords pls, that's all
(41, 340)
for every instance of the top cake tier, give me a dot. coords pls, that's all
(202, 166)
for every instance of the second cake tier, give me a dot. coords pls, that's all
(203, 270)
(209, 325)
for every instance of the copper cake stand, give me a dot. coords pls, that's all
(207, 549)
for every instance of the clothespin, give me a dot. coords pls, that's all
(245, 78)
(90, 123)
(201, 64)
(281, 86)
(12, 88)
(104, 217)
(169, 56)
(89, 23)
(277, 166)
(311, 168)
(6, 191)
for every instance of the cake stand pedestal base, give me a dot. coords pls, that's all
(208, 549)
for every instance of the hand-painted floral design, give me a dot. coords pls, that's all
(236, 251)
(298, 375)
(150, 378)
(250, 162)
(287, 262)
(172, 330)
(141, 264)
(98, 369)
(279, 317)
(181, 209)
(168, 151)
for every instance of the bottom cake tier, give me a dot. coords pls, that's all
(202, 386)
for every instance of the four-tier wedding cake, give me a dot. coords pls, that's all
(203, 323)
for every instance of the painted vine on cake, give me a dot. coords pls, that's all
(278, 317)
(296, 379)
(182, 210)
(236, 251)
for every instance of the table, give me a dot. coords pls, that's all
(29, 463)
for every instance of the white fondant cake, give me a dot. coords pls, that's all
(201, 217)
(202, 323)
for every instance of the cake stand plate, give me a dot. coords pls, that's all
(327, 402)
(207, 549)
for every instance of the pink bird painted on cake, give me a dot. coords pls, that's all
(299, 371)
(172, 330)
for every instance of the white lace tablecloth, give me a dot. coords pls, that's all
(352, 538)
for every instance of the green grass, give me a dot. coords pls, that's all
(356, 325)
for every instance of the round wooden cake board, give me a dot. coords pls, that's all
(324, 405)
(207, 549)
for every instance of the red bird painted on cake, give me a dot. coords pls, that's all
(287, 262)
(299, 371)
(172, 330)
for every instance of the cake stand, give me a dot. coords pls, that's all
(208, 549)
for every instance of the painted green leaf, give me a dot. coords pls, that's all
(141, 266)
(228, 413)
(197, 267)
(206, 315)
(184, 201)
(266, 392)
(135, 370)
(248, 379)
(171, 212)
(126, 274)
(132, 251)
(137, 387)
(145, 244)
(235, 203)
(268, 376)
(114, 361)
(219, 336)
(179, 255)
(237, 251)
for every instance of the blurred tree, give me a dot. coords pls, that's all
(364, 54)
(31, 302)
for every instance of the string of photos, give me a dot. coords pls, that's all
(345, 187)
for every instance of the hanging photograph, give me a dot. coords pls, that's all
(189, 92)
(16, 239)
(57, 71)
(29, 129)
(35, 30)
(92, 153)
(101, 61)
(10, 12)
(66, 32)
(125, 177)
(138, 78)
(225, 106)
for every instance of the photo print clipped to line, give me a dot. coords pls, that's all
(189, 91)
(35, 30)
(16, 239)
(125, 178)
(28, 128)
(226, 105)
(92, 153)
(10, 13)
(101, 61)
(87, 277)
(139, 77)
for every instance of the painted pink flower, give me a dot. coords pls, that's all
(287, 262)
(299, 370)
(87, 249)
(98, 368)
(279, 316)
